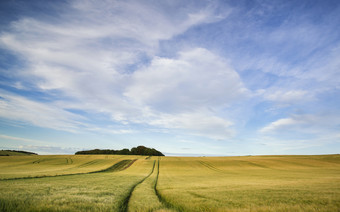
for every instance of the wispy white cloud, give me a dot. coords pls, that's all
(21, 109)
(299, 52)
(7, 137)
(141, 21)
(53, 115)
(281, 124)
(288, 97)
(312, 124)
(198, 123)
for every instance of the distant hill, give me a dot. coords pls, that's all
(15, 153)
(140, 150)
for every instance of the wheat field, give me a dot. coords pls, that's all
(140, 183)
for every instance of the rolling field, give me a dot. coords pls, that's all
(140, 183)
(39, 166)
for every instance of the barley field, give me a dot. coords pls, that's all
(141, 183)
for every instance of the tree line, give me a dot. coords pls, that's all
(16, 151)
(140, 150)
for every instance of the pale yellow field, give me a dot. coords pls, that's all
(46, 165)
(262, 183)
(254, 183)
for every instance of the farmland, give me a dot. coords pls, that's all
(141, 183)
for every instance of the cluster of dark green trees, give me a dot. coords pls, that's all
(17, 151)
(140, 150)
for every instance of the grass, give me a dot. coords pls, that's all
(136, 183)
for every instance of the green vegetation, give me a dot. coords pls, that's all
(137, 183)
(15, 153)
(140, 150)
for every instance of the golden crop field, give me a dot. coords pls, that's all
(140, 183)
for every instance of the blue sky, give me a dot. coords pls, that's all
(184, 77)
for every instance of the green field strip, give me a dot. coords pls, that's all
(125, 203)
(119, 166)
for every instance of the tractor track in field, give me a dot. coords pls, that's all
(92, 162)
(69, 160)
(211, 167)
(161, 199)
(119, 166)
(254, 164)
(124, 206)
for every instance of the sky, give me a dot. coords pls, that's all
(189, 78)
